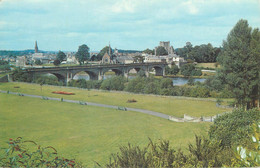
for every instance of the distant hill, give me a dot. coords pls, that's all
(31, 51)
(128, 51)
(21, 52)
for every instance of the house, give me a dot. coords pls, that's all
(125, 60)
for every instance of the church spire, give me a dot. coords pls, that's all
(36, 47)
(109, 49)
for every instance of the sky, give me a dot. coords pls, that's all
(126, 24)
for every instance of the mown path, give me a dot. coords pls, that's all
(157, 114)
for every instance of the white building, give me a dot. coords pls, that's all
(20, 61)
(71, 59)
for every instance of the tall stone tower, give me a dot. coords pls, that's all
(36, 47)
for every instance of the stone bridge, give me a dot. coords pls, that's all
(97, 72)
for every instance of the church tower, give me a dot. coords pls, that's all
(36, 47)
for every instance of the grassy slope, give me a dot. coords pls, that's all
(167, 105)
(84, 132)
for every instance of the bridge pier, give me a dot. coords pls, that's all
(69, 76)
(126, 74)
(100, 75)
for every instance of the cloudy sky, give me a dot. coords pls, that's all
(127, 24)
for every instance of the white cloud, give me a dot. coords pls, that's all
(124, 6)
(191, 7)
(128, 24)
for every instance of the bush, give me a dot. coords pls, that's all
(136, 85)
(189, 70)
(166, 83)
(232, 128)
(191, 81)
(56, 62)
(48, 80)
(38, 62)
(174, 70)
(199, 92)
(204, 153)
(21, 153)
(114, 83)
(20, 76)
(4, 65)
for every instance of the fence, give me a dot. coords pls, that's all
(187, 118)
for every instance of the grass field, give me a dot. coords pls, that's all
(167, 105)
(3, 74)
(86, 133)
(208, 65)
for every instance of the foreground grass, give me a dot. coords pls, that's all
(167, 105)
(84, 132)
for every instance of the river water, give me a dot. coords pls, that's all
(176, 81)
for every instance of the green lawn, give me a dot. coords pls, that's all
(86, 133)
(3, 74)
(168, 105)
(208, 65)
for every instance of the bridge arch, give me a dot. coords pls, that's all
(117, 71)
(159, 71)
(60, 77)
(92, 75)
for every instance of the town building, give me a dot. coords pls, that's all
(20, 61)
(166, 45)
(125, 59)
(170, 58)
(71, 58)
(109, 58)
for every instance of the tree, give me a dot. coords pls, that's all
(175, 69)
(189, 70)
(203, 53)
(161, 51)
(139, 59)
(184, 52)
(103, 51)
(148, 51)
(114, 83)
(38, 62)
(191, 81)
(61, 56)
(56, 62)
(240, 63)
(94, 58)
(82, 54)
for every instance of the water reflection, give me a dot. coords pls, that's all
(183, 81)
